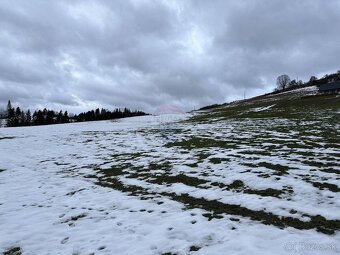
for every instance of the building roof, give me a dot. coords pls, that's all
(330, 86)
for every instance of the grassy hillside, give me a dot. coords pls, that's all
(298, 104)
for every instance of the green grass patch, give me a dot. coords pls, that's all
(239, 186)
(325, 185)
(218, 160)
(200, 142)
(279, 169)
(7, 137)
(13, 251)
(180, 178)
(218, 208)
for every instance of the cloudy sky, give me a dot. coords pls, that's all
(77, 55)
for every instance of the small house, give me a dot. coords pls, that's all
(330, 88)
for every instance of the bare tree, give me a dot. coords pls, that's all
(282, 81)
(312, 79)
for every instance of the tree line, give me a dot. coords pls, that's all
(103, 114)
(283, 82)
(17, 117)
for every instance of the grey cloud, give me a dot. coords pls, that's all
(76, 55)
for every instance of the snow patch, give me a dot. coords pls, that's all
(260, 109)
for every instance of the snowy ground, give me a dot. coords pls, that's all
(157, 185)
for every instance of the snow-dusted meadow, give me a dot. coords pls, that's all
(167, 185)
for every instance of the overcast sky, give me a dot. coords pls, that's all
(78, 55)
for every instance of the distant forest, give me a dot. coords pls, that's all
(17, 117)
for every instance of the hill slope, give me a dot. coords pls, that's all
(259, 176)
(289, 104)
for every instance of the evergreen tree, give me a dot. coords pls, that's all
(22, 119)
(49, 117)
(10, 110)
(65, 118)
(28, 121)
(15, 120)
(97, 114)
(10, 114)
(44, 112)
(60, 117)
(38, 118)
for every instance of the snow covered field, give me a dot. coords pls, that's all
(158, 185)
